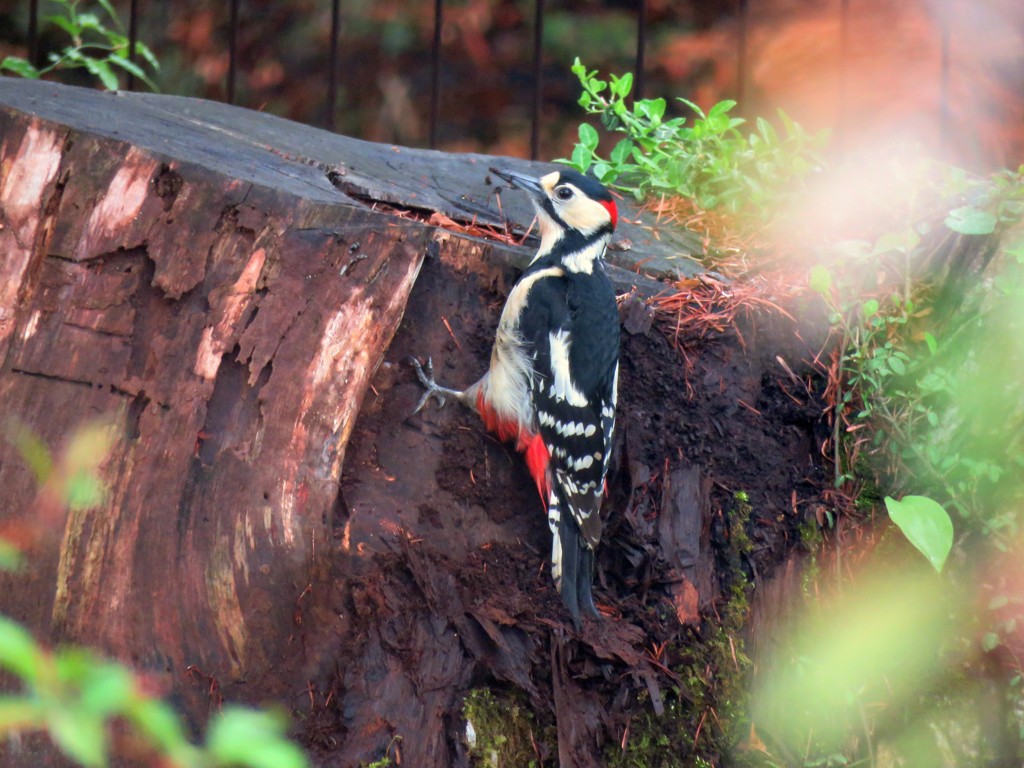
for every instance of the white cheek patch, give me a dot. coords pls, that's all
(584, 215)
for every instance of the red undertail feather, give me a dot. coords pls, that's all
(504, 428)
(531, 446)
(537, 458)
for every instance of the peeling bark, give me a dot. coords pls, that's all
(219, 284)
(229, 330)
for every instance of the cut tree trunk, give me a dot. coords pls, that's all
(235, 294)
(228, 329)
(219, 286)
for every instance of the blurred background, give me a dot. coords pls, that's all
(948, 74)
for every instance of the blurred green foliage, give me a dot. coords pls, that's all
(929, 322)
(83, 701)
(929, 329)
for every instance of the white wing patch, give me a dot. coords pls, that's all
(562, 386)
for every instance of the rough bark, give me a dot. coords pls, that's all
(228, 327)
(225, 287)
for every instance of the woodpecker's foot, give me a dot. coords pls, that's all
(434, 390)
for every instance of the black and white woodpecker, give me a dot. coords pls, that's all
(553, 378)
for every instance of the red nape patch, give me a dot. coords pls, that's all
(613, 211)
(537, 458)
(505, 429)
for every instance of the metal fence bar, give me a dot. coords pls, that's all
(232, 49)
(133, 39)
(641, 46)
(538, 77)
(844, 72)
(741, 54)
(33, 33)
(945, 55)
(332, 73)
(435, 82)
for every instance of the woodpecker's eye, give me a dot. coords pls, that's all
(564, 193)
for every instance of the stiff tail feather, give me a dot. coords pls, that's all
(572, 562)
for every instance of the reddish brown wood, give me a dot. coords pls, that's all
(221, 285)
(228, 330)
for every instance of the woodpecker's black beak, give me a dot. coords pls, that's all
(527, 183)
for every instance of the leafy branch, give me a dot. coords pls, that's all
(94, 46)
(707, 159)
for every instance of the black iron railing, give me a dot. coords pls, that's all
(331, 79)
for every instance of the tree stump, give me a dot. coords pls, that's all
(228, 326)
(235, 293)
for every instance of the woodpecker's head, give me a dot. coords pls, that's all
(574, 212)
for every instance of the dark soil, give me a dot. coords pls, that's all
(443, 581)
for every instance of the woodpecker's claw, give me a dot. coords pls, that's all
(427, 380)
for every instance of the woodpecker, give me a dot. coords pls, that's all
(552, 383)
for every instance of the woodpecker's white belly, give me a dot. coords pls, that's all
(506, 387)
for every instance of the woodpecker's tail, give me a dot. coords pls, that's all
(572, 561)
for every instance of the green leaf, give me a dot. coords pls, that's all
(83, 491)
(900, 242)
(105, 4)
(581, 158)
(692, 106)
(144, 51)
(1015, 248)
(92, 21)
(19, 652)
(820, 280)
(254, 739)
(969, 220)
(721, 108)
(898, 367)
(11, 558)
(589, 137)
(925, 524)
(870, 307)
(20, 67)
(132, 68)
(653, 108)
(163, 725)
(67, 24)
(621, 86)
(102, 70)
(107, 689)
(603, 172)
(32, 450)
(989, 641)
(79, 734)
(929, 339)
(88, 447)
(767, 131)
(18, 713)
(621, 152)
